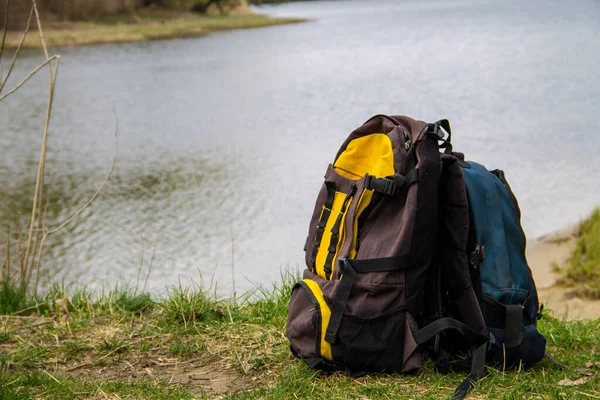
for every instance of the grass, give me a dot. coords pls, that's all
(188, 344)
(582, 269)
(150, 25)
(11, 298)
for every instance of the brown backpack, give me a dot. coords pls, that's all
(371, 242)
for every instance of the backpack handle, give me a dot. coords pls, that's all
(392, 120)
(438, 131)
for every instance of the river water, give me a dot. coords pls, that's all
(224, 140)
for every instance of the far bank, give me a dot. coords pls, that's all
(151, 25)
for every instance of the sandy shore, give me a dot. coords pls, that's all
(542, 253)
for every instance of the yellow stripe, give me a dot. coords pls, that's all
(338, 201)
(325, 315)
(340, 243)
(363, 202)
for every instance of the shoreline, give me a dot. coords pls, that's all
(543, 254)
(148, 26)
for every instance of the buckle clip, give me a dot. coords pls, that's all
(434, 130)
(387, 186)
(342, 261)
(478, 255)
(368, 180)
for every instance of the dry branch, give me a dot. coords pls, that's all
(4, 30)
(12, 64)
(38, 214)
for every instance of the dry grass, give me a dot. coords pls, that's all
(205, 358)
(124, 345)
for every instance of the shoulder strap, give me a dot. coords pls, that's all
(477, 355)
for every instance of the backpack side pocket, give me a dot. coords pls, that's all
(308, 317)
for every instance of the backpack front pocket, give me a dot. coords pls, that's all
(373, 333)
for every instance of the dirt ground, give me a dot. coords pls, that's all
(542, 254)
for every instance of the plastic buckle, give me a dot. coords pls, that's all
(342, 261)
(389, 186)
(478, 255)
(368, 179)
(436, 131)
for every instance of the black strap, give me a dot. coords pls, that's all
(411, 177)
(513, 329)
(478, 354)
(333, 243)
(349, 269)
(341, 298)
(321, 364)
(335, 234)
(513, 321)
(424, 334)
(411, 159)
(376, 264)
(477, 371)
(444, 364)
(392, 185)
(555, 361)
(330, 186)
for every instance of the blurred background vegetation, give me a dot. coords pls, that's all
(85, 10)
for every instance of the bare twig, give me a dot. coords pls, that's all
(39, 262)
(39, 185)
(150, 264)
(53, 378)
(4, 30)
(39, 24)
(32, 307)
(37, 232)
(12, 64)
(137, 281)
(37, 197)
(39, 259)
(6, 269)
(232, 264)
(112, 167)
(84, 364)
(5, 95)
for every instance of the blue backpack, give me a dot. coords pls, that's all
(479, 226)
(502, 278)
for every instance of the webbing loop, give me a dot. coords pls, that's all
(438, 131)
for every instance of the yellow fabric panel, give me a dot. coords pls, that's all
(338, 201)
(363, 202)
(325, 316)
(372, 154)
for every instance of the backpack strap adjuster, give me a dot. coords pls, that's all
(391, 185)
(382, 185)
(478, 255)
